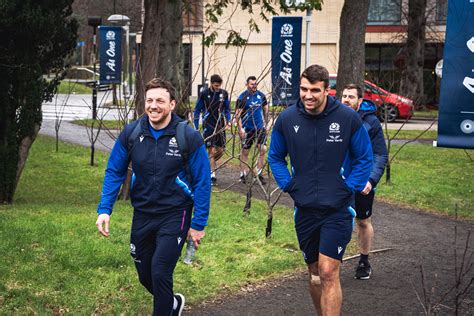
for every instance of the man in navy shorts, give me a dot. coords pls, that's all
(251, 115)
(331, 159)
(214, 102)
(352, 96)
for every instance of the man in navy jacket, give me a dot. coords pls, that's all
(352, 96)
(161, 195)
(331, 159)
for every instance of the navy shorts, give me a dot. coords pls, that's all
(250, 136)
(214, 137)
(323, 232)
(363, 204)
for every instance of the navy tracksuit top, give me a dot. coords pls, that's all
(330, 155)
(160, 184)
(367, 112)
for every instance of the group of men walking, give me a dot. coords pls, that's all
(337, 156)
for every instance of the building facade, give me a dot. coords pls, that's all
(385, 34)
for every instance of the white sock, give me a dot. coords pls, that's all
(175, 303)
(213, 174)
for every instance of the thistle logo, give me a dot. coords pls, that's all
(110, 36)
(334, 128)
(296, 127)
(286, 30)
(173, 142)
(132, 249)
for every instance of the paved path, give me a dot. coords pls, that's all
(417, 238)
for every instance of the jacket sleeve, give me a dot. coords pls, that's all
(201, 172)
(361, 160)
(276, 158)
(379, 149)
(227, 108)
(115, 174)
(197, 112)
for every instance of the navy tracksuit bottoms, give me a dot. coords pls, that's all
(155, 245)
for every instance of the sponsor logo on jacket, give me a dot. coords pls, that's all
(334, 128)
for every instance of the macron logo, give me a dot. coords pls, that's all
(296, 127)
(141, 138)
(339, 249)
(179, 240)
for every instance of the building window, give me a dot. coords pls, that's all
(441, 11)
(384, 12)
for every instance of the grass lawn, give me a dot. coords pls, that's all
(70, 87)
(55, 262)
(431, 178)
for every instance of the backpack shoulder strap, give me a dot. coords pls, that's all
(181, 139)
(133, 136)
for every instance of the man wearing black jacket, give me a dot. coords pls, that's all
(352, 96)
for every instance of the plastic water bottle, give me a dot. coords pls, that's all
(190, 251)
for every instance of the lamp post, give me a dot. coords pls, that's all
(123, 19)
(94, 21)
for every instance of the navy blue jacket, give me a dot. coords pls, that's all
(367, 112)
(216, 108)
(160, 184)
(330, 155)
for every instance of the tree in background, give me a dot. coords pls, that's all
(36, 38)
(351, 68)
(412, 73)
(161, 52)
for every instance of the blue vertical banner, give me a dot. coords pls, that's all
(456, 109)
(110, 54)
(286, 59)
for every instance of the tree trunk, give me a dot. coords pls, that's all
(412, 74)
(268, 230)
(351, 67)
(161, 53)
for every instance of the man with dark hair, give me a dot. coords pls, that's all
(215, 104)
(251, 115)
(162, 194)
(352, 96)
(331, 158)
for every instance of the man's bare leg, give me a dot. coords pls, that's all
(325, 286)
(365, 235)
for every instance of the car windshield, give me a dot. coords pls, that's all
(374, 90)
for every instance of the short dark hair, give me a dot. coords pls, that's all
(315, 73)
(251, 78)
(350, 86)
(160, 83)
(216, 79)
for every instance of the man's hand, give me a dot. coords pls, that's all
(196, 236)
(242, 133)
(367, 189)
(101, 220)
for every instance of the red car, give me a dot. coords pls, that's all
(396, 106)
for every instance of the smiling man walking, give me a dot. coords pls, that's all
(330, 158)
(162, 194)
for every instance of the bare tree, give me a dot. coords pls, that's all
(352, 44)
(412, 74)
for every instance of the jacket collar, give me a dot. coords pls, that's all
(331, 104)
(169, 130)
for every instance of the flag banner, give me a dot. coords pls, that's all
(456, 108)
(286, 59)
(110, 54)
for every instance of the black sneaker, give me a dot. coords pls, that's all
(213, 181)
(262, 179)
(179, 308)
(363, 271)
